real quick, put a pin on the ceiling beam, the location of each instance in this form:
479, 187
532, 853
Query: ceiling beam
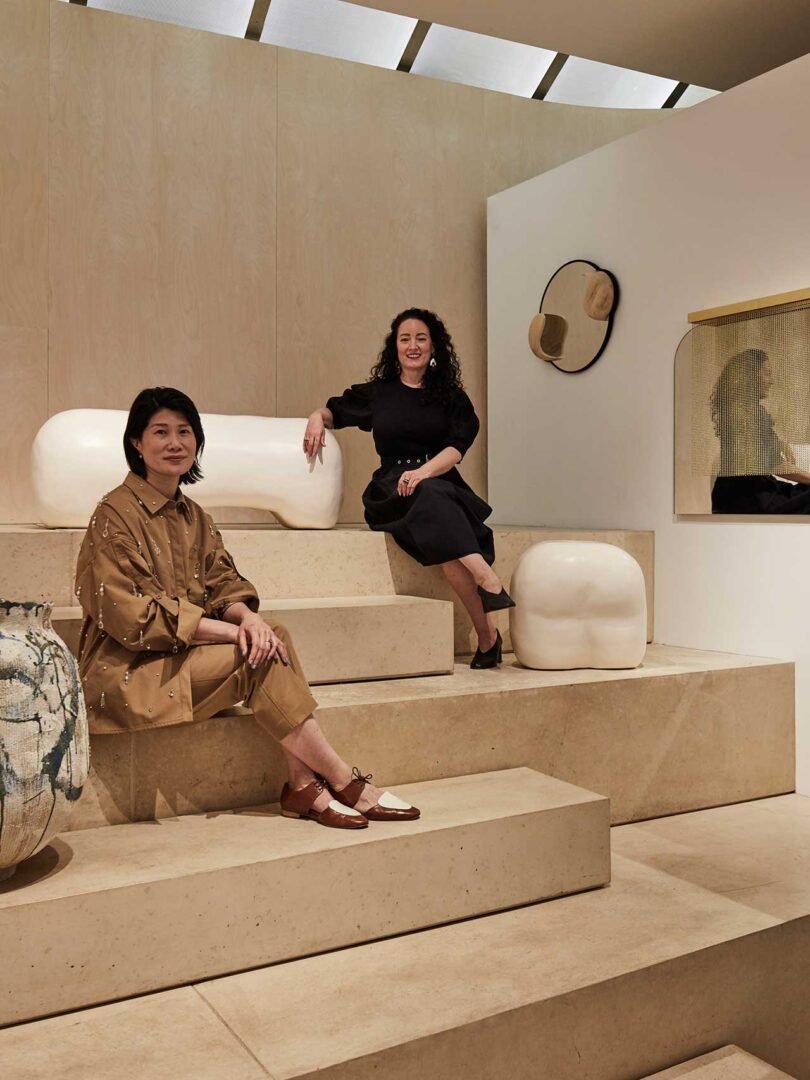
414, 45
675, 96
553, 70
257, 19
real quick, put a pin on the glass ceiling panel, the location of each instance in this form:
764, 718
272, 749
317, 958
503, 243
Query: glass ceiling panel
693, 95
478, 60
221, 16
335, 28
586, 82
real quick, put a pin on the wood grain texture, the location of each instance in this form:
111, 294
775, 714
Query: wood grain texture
525, 138
166, 229
24, 163
162, 214
24, 393
762, 303
381, 207
383, 182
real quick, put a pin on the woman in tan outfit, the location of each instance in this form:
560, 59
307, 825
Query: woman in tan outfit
172, 631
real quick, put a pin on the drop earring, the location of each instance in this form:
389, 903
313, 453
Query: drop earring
433, 360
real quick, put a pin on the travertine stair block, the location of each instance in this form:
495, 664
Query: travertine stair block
702, 940
346, 638
118, 911
681, 732
38, 564
727, 1063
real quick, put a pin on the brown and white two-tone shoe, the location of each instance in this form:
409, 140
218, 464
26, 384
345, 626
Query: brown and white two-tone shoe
387, 808
334, 816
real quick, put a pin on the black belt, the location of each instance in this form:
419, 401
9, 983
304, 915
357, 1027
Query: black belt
390, 462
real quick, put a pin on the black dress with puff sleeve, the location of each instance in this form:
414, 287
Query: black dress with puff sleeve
444, 518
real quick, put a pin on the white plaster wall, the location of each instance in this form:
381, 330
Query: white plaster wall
710, 207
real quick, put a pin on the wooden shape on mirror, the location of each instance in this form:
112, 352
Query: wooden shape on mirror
575, 319
547, 336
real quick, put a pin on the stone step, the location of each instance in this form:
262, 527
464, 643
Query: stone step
681, 732
108, 913
38, 564
701, 940
727, 1063
346, 638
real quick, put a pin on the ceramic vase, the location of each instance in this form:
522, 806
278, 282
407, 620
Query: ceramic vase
44, 743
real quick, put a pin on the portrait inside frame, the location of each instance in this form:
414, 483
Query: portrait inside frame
742, 413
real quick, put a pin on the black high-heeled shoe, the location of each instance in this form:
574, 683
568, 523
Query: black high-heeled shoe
492, 601
492, 657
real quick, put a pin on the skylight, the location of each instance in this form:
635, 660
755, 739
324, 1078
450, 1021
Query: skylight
478, 60
221, 16
586, 82
336, 28
693, 95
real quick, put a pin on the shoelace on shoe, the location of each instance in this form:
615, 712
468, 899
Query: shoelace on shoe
357, 775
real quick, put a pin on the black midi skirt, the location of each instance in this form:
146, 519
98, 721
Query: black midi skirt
441, 521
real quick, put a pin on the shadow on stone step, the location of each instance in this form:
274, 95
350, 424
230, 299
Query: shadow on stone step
49, 861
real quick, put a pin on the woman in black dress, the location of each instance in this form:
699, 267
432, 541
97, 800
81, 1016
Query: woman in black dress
754, 462
423, 423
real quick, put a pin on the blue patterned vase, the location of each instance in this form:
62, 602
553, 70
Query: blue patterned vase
44, 743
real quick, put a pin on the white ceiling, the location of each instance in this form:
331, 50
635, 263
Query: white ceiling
714, 43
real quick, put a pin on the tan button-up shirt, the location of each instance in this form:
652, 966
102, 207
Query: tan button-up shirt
148, 570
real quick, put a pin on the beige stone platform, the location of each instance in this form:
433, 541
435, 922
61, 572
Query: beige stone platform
345, 638
727, 1063
689, 949
38, 564
108, 913
686, 730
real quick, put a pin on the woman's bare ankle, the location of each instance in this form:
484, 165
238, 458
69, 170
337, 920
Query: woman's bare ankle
491, 582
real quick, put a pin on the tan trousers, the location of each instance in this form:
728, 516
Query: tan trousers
278, 695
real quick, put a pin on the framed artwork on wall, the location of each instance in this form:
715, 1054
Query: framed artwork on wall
742, 409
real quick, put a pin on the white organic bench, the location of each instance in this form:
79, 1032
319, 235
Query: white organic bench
580, 604
254, 462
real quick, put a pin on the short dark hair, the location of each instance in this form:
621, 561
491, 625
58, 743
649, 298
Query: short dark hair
143, 408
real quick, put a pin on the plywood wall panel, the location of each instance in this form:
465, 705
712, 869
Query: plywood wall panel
162, 214
24, 163
164, 146
23, 392
381, 207
525, 137
382, 188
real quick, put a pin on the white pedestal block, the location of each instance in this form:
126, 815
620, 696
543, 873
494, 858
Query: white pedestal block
255, 462
579, 605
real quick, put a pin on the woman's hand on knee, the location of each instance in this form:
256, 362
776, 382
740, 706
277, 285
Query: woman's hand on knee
257, 641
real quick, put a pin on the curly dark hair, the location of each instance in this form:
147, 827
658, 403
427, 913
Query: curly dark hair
143, 408
736, 392
440, 381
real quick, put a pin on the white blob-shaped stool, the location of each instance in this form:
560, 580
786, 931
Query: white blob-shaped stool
256, 462
580, 604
